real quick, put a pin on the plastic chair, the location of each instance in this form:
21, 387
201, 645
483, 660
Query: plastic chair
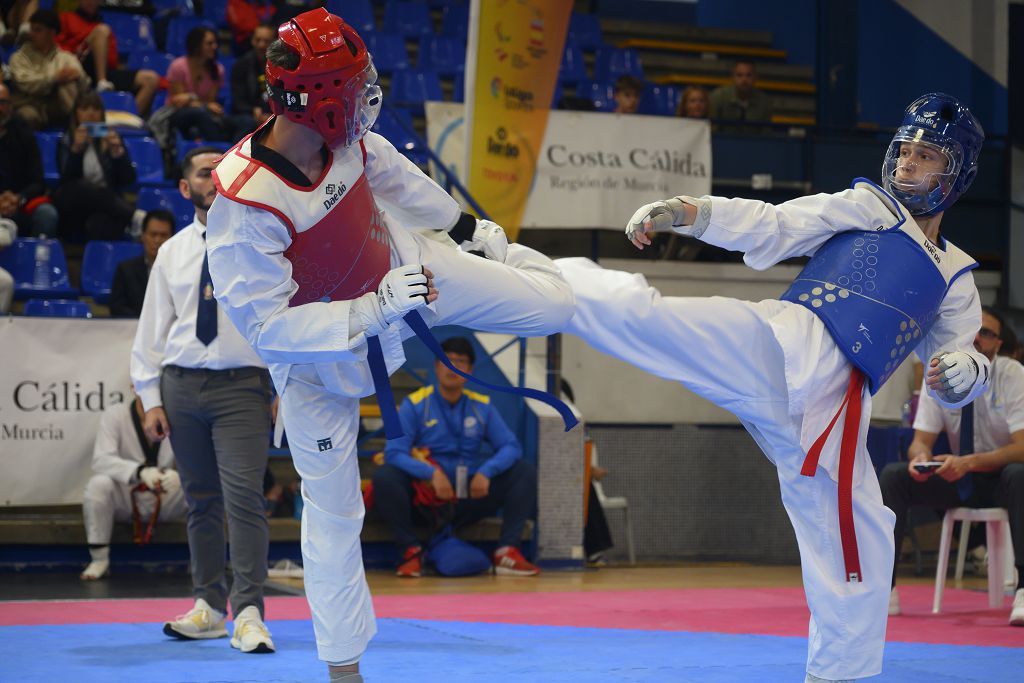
410, 19
573, 68
455, 21
147, 158
357, 13
388, 52
445, 55
57, 308
612, 62
389, 124
48, 141
134, 32
1000, 550
215, 11
119, 100
659, 100
412, 87
585, 31
614, 503
601, 94
99, 263
151, 59
169, 199
49, 280
178, 28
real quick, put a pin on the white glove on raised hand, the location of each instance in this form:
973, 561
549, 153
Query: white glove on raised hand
953, 377
657, 217
489, 238
170, 481
402, 289
151, 476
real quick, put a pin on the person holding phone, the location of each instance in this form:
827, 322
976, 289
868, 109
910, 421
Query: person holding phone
986, 467
95, 170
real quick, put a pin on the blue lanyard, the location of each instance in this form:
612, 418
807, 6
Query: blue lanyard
457, 431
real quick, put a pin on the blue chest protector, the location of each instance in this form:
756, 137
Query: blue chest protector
878, 292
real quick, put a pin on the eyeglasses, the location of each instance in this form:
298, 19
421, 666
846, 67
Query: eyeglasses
987, 333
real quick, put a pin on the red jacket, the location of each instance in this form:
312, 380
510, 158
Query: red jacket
75, 27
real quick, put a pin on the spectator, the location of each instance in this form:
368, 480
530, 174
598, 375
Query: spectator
195, 80
203, 386
8, 233
83, 33
133, 480
245, 16
454, 424
22, 190
94, 171
627, 94
984, 471
14, 16
741, 101
47, 79
248, 77
128, 290
694, 104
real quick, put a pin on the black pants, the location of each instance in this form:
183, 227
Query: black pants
1003, 489
91, 212
513, 491
597, 537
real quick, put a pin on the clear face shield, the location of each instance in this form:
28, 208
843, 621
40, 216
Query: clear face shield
367, 98
919, 168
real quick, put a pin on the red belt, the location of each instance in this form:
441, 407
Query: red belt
847, 453
143, 535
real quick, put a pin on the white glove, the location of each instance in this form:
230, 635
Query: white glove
8, 232
657, 217
151, 476
170, 481
402, 289
958, 373
489, 238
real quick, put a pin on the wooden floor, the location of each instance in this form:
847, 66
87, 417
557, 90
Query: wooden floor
703, 575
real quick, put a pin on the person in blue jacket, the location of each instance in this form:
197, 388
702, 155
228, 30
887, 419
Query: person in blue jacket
454, 423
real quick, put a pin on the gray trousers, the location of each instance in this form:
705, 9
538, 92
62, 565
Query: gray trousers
220, 431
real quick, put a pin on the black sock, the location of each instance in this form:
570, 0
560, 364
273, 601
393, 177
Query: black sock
1020, 576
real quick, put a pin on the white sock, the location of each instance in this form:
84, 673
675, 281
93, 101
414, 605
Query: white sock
99, 565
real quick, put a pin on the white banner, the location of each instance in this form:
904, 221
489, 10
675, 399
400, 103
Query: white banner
56, 378
595, 169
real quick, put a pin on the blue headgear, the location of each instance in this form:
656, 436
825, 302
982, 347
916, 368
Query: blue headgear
936, 128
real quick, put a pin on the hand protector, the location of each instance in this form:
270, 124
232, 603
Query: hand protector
151, 476
489, 238
170, 481
958, 373
402, 289
660, 217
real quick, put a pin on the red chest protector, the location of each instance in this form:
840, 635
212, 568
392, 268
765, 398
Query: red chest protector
340, 245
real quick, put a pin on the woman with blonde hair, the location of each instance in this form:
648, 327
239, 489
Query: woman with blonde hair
694, 104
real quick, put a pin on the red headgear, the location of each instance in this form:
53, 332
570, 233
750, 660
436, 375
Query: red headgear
333, 89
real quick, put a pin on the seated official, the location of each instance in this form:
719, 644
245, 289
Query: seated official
454, 424
128, 290
133, 480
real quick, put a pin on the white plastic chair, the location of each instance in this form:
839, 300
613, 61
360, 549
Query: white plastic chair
614, 503
1000, 550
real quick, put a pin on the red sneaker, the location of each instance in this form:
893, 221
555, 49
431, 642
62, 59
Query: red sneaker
509, 561
412, 564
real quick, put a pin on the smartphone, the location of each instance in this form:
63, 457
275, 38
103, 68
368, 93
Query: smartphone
926, 467
96, 129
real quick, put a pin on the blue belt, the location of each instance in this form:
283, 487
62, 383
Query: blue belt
382, 385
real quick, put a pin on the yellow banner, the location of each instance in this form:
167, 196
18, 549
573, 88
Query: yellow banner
514, 52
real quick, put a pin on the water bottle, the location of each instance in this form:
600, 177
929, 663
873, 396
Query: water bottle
41, 275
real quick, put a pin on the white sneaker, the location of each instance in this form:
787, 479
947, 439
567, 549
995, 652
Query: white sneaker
199, 623
97, 569
1017, 615
251, 634
285, 569
894, 604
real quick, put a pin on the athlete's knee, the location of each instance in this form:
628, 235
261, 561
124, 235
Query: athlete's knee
99, 488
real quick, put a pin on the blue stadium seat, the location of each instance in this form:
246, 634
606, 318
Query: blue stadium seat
170, 199
151, 59
412, 87
659, 100
443, 54
51, 282
612, 62
178, 28
215, 11
573, 68
182, 146
455, 21
48, 141
99, 263
390, 124
601, 94
148, 160
357, 13
159, 100
118, 100
134, 32
173, 8
408, 18
585, 31
388, 52
57, 308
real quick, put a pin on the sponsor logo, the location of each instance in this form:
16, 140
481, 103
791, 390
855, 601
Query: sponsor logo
663, 160
932, 250
295, 101
863, 329
518, 99
496, 87
64, 397
500, 146
324, 445
15, 432
335, 193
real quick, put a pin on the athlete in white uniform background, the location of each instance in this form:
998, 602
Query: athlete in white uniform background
787, 367
296, 264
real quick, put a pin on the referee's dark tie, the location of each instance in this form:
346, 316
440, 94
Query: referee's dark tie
206, 312
965, 484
